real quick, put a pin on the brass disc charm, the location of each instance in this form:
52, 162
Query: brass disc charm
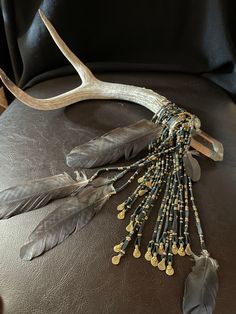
154, 261
117, 247
121, 206
136, 252
170, 270
142, 192
162, 264
181, 251
188, 250
121, 215
148, 184
130, 227
174, 249
116, 259
148, 255
140, 180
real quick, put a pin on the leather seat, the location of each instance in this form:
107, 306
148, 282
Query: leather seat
77, 276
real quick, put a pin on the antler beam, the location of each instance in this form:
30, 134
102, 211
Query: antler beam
92, 88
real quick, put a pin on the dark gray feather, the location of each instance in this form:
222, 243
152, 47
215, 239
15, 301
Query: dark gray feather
201, 287
37, 193
110, 147
192, 167
73, 213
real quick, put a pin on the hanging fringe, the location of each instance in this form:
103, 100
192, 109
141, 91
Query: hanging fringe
165, 171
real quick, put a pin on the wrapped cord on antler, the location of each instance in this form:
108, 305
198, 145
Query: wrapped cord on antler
168, 170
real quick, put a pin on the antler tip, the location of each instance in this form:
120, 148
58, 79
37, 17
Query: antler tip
42, 15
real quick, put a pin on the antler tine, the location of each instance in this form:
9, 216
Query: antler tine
85, 74
36, 103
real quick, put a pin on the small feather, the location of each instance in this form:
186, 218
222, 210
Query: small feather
192, 167
73, 213
37, 193
201, 287
110, 147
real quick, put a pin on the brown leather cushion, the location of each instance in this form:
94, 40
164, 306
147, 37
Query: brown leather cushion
77, 276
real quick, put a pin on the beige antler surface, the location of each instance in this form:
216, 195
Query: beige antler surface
92, 88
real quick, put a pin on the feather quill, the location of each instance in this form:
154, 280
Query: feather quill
73, 213
192, 166
37, 193
201, 287
110, 147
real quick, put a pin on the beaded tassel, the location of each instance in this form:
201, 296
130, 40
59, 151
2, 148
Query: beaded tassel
165, 171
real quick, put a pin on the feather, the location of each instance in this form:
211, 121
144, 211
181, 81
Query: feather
110, 147
192, 167
201, 287
73, 213
37, 193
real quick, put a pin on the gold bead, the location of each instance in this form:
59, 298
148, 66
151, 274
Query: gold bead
188, 250
117, 247
136, 252
121, 206
121, 215
162, 264
174, 249
140, 180
130, 227
142, 192
181, 251
161, 249
170, 270
116, 259
148, 255
154, 261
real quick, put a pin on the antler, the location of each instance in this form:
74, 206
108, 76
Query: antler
92, 88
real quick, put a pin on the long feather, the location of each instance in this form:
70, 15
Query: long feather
73, 214
192, 166
110, 147
201, 287
37, 193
